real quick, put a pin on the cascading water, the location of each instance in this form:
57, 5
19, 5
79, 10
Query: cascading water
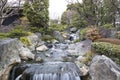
57, 76
51, 71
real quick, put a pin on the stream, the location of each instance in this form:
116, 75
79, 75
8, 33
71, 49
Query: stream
58, 63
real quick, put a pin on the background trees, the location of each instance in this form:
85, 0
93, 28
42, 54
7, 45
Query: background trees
37, 12
95, 12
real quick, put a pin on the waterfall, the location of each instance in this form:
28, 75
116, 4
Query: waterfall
18, 78
51, 71
13, 73
57, 76
54, 76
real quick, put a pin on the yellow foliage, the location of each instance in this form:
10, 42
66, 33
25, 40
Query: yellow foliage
93, 34
88, 57
25, 41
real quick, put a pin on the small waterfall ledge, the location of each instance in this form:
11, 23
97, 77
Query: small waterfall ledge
50, 71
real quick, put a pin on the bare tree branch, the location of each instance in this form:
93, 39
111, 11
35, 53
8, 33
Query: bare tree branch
7, 9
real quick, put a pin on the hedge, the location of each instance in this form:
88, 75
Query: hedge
108, 49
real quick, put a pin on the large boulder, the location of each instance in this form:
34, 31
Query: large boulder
80, 48
11, 52
103, 68
57, 35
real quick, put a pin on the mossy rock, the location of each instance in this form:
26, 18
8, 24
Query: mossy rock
88, 57
3, 35
25, 41
47, 38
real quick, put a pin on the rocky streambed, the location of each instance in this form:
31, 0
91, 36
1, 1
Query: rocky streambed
56, 61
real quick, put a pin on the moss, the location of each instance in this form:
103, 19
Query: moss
47, 38
26, 41
3, 35
108, 49
24, 20
77, 40
88, 57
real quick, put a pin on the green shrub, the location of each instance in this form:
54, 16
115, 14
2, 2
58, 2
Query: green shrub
19, 32
108, 26
3, 35
77, 40
25, 41
34, 29
57, 27
108, 49
83, 33
47, 38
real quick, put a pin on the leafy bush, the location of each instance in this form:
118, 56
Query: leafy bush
109, 40
18, 32
38, 14
47, 38
3, 35
33, 29
25, 40
108, 26
93, 34
108, 49
57, 27
83, 33
79, 22
24, 21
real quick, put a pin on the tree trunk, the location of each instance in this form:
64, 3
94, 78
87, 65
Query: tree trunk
1, 22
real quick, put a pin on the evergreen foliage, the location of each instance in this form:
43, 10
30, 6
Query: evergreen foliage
94, 12
108, 49
37, 13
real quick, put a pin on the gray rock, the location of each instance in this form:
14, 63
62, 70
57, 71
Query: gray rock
39, 59
34, 39
12, 51
9, 53
60, 46
25, 53
80, 48
55, 55
57, 35
74, 29
83, 68
103, 68
42, 48
38, 34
